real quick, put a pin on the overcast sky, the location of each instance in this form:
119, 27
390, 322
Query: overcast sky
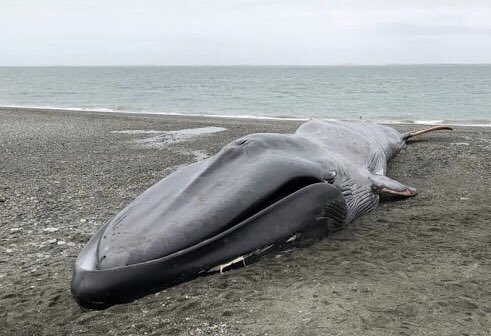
215, 32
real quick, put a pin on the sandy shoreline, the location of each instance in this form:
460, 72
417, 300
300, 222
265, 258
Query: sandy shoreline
416, 267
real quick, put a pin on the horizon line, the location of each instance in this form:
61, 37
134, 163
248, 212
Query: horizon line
240, 65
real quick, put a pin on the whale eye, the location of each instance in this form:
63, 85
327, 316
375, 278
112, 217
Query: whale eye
330, 177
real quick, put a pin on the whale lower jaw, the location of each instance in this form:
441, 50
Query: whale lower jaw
318, 207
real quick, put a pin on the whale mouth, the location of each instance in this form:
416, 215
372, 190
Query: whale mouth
285, 190
211, 227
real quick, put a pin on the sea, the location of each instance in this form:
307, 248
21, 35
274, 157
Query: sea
421, 94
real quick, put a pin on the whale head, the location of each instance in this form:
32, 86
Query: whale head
259, 191
205, 199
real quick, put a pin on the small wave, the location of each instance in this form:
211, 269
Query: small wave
48, 107
402, 121
429, 122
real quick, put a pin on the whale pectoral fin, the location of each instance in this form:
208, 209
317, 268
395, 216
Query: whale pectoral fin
385, 185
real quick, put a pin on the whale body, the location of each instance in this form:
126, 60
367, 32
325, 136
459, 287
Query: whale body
257, 193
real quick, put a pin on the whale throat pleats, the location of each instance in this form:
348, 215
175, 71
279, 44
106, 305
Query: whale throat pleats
360, 199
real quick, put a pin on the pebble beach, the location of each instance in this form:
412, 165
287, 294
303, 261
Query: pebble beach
418, 266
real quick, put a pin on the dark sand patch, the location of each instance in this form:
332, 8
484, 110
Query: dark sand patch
414, 267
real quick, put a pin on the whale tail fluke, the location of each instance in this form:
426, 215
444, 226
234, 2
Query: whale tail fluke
409, 135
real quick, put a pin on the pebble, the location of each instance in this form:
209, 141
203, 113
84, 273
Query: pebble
2, 199
83, 220
15, 229
50, 229
51, 241
61, 242
9, 251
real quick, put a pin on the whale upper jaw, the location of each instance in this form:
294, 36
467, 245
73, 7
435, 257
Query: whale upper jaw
205, 199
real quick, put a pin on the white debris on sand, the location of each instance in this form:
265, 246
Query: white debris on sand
165, 138
50, 229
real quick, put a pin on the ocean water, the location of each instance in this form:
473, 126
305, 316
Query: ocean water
433, 94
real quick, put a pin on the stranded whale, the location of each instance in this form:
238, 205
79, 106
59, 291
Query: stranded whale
258, 192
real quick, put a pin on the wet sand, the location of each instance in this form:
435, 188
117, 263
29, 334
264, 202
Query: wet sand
419, 266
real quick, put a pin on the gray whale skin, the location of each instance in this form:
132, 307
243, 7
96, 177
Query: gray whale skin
258, 192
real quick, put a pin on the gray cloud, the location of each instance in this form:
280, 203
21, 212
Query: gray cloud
193, 32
